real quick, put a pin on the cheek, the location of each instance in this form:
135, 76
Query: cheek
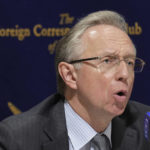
106, 81
131, 82
95, 83
93, 79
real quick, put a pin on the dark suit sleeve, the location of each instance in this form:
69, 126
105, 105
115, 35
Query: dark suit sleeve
22, 132
7, 141
35, 129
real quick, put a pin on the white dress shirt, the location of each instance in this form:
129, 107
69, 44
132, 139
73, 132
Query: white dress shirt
79, 131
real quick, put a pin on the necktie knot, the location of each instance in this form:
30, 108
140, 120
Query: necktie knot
100, 142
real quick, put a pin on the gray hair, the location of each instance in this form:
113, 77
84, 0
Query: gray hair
70, 46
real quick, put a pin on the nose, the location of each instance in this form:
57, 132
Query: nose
122, 72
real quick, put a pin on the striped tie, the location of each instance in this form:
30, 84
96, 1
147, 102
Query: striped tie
100, 142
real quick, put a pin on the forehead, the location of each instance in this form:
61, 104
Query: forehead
103, 39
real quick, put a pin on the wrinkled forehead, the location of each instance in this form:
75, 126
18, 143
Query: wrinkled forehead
106, 39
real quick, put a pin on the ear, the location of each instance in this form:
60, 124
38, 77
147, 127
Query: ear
68, 74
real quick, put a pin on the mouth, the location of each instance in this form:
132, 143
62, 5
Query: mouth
121, 95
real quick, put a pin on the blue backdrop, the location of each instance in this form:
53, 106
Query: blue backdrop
29, 30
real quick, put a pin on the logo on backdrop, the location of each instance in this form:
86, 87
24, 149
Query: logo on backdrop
39, 31
13, 108
134, 29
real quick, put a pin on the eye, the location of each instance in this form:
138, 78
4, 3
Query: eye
108, 60
130, 62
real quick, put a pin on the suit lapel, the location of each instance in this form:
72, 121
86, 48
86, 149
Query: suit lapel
123, 137
55, 137
124, 130
55, 129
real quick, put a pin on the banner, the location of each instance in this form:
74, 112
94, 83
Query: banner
29, 31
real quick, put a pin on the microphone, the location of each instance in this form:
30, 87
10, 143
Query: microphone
147, 125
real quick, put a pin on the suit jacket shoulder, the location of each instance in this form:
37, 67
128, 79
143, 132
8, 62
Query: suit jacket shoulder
128, 129
36, 129
44, 128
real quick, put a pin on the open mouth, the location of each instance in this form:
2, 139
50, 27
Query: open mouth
121, 98
121, 93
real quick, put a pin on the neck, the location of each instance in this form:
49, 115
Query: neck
97, 119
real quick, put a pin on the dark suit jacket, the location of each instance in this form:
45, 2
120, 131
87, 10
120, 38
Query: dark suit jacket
44, 128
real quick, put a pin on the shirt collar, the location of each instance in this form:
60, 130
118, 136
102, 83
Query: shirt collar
79, 131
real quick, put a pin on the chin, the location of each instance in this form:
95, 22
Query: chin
117, 112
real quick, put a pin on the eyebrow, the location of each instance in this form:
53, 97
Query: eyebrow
116, 54
129, 55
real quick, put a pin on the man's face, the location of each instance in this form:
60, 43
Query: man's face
105, 91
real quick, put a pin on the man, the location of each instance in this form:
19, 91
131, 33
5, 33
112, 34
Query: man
95, 65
